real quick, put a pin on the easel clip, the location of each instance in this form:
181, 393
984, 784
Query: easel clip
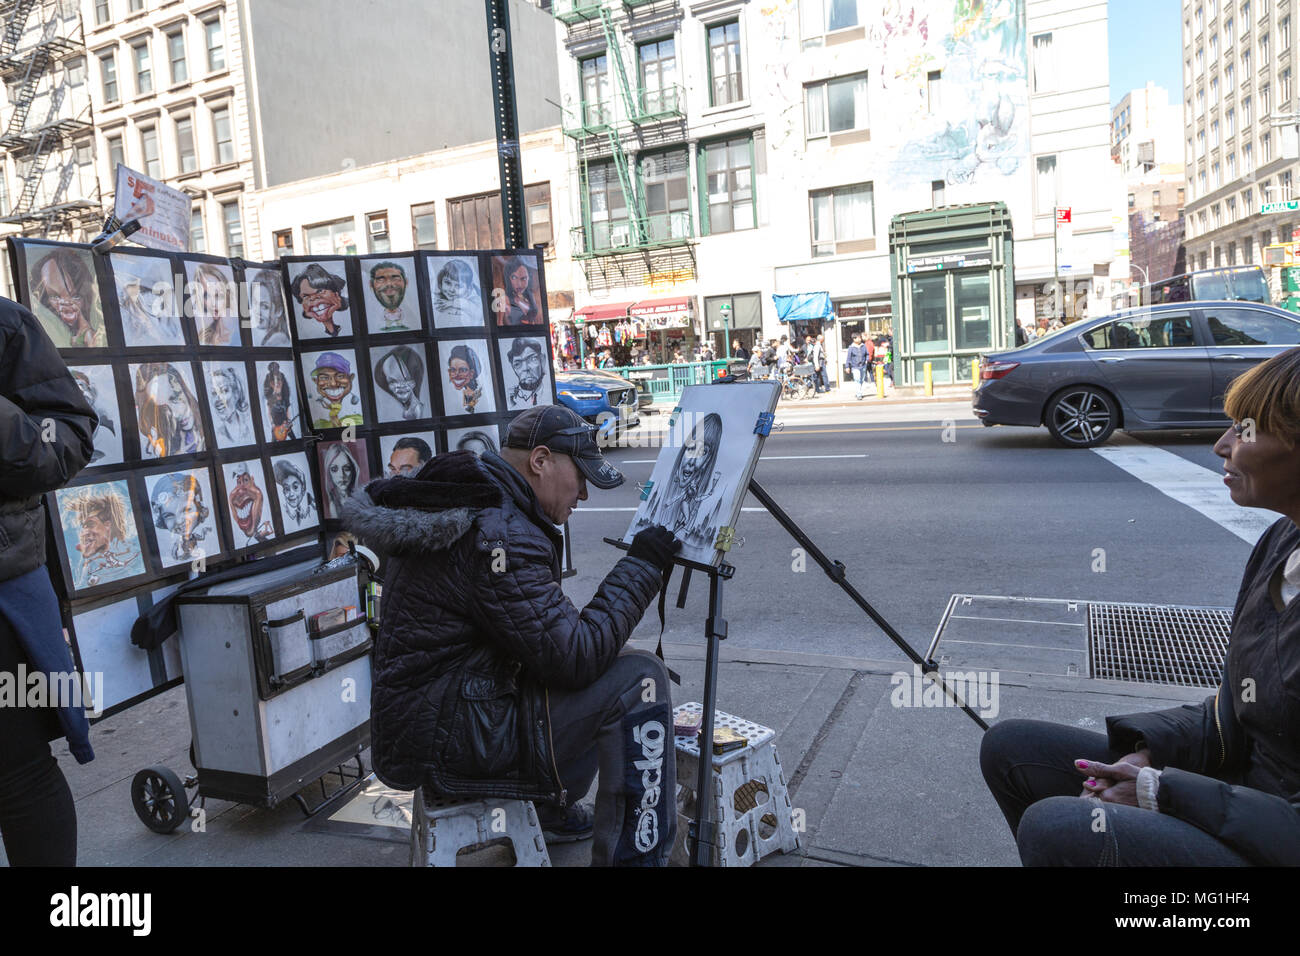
726, 535
764, 426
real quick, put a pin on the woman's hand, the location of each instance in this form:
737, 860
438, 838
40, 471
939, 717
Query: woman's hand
1113, 783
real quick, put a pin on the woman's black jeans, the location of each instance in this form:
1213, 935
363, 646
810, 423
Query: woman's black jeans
1029, 768
38, 819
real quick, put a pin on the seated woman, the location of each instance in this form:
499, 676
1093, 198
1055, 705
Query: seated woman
1211, 784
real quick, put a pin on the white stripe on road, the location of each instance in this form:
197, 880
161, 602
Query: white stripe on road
651, 461
1186, 482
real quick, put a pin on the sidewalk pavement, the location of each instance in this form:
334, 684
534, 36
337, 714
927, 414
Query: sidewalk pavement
879, 785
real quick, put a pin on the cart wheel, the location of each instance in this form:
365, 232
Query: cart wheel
159, 799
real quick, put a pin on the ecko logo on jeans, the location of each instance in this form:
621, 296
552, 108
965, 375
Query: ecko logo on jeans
650, 737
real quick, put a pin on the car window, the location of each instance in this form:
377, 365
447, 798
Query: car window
1247, 327
1162, 332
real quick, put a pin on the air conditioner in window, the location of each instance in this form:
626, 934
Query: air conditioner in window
379, 227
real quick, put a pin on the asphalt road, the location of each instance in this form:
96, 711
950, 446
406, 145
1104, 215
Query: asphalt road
916, 518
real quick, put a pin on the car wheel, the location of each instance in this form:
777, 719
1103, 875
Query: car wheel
1081, 417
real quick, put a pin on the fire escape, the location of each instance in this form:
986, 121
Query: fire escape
630, 232
39, 140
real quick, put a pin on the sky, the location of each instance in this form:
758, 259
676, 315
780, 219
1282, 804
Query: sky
1146, 44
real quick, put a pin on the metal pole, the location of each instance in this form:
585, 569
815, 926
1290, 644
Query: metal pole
715, 629
513, 224
1056, 261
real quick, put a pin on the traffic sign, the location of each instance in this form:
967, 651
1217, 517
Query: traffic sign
1064, 214
1290, 205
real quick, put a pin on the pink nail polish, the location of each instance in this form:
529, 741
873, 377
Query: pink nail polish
1081, 764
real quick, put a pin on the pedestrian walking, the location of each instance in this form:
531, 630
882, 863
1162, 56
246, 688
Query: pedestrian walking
46, 429
856, 362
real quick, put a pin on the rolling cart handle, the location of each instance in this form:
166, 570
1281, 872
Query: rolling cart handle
284, 622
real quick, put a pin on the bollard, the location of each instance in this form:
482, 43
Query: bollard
929, 378
880, 381
975, 374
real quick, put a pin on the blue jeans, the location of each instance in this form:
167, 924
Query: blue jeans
857, 379
1029, 768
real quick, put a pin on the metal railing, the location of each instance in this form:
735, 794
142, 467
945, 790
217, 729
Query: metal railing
665, 382
663, 103
631, 233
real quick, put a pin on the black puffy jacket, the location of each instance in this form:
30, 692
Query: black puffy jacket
475, 628
1232, 764
45, 435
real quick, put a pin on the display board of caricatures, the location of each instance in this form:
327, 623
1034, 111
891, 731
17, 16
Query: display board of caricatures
404, 356
241, 404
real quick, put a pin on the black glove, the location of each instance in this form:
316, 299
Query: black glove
656, 545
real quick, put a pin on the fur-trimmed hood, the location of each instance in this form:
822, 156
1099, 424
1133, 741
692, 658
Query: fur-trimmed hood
428, 512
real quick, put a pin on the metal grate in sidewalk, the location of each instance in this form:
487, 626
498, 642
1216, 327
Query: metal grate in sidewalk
1158, 643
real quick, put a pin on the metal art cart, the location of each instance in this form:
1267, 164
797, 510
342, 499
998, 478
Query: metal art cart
278, 698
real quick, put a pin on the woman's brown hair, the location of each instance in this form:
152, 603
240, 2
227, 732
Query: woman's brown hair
1269, 393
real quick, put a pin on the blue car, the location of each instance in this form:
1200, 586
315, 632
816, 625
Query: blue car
606, 400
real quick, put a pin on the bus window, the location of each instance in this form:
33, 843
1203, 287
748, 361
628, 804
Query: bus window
1211, 286
1250, 286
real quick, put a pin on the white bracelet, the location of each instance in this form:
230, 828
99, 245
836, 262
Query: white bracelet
1148, 785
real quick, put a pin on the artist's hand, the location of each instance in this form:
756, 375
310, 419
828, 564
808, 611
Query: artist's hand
655, 544
1113, 783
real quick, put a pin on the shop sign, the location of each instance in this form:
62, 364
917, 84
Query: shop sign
950, 260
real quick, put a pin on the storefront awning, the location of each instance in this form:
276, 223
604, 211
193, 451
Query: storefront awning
681, 306
803, 305
603, 312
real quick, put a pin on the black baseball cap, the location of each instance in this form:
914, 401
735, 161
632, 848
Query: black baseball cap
562, 430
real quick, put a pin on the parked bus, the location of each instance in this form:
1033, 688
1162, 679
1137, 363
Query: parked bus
1237, 283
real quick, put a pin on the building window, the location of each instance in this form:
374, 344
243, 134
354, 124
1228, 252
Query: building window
187, 159
1284, 89
1044, 64
1155, 197
233, 229
1046, 185
102, 13
1132, 201
596, 107
1232, 210
377, 232
1247, 159
842, 219
108, 71
1247, 200
657, 66
134, 6
116, 154
1265, 102
337, 238
1214, 135
283, 241
725, 85
215, 40
77, 71
198, 242
537, 210
1200, 144
1214, 49
1263, 50
1214, 92
1266, 148
1200, 102
84, 156
1227, 32
820, 17
1229, 79
937, 198
729, 185
1232, 166
424, 233
666, 178
1216, 177
1200, 20
143, 68
475, 221
1230, 120
1284, 34
223, 135
1245, 64
176, 56
1200, 61
149, 149
836, 106
1284, 181
606, 209
1245, 113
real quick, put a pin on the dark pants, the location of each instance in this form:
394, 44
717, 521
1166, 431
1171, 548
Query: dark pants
1029, 768
38, 820
623, 726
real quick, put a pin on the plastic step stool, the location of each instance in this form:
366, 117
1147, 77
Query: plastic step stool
441, 827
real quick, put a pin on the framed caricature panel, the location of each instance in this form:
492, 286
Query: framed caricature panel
147, 304
517, 290
268, 315
401, 383
183, 517
526, 371
248, 508
333, 388
230, 403
344, 468
276, 387
323, 306
391, 295
213, 303
403, 455
296, 493
98, 384
168, 414
98, 536
467, 379
478, 439
59, 282
455, 291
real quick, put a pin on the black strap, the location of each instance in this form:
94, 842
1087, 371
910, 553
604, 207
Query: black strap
659, 650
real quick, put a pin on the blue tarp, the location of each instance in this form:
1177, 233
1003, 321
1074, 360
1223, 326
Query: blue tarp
803, 305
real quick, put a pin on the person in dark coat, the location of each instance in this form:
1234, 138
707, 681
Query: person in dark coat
488, 681
1210, 784
46, 429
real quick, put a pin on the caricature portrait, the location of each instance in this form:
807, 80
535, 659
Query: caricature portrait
525, 360
146, 300
516, 291
344, 468
467, 387
99, 534
321, 297
96, 384
477, 440
391, 302
690, 504
297, 503
65, 297
399, 380
405, 455
279, 404
332, 388
211, 287
266, 310
456, 291
340, 544
182, 517
167, 409
249, 513
232, 413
